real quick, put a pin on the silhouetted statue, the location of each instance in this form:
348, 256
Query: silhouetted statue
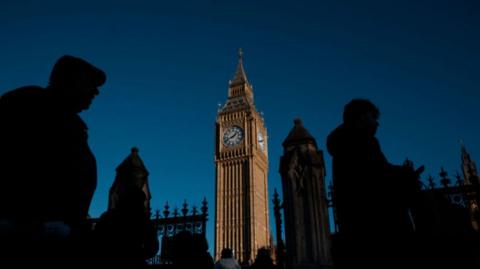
47, 171
131, 173
227, 260
307, 229
371, 196
263, 260
125, 235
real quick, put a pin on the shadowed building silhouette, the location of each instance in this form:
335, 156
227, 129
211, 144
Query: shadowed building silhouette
305, 202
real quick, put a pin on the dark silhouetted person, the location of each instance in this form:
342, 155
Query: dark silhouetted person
191, 251
201, 254
371, 196
182, 250
125, 235
47, 170
263, 260
227, 260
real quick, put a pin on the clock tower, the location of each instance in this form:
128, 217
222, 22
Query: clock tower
241, 168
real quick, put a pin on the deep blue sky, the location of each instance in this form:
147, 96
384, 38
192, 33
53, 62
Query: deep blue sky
169, 62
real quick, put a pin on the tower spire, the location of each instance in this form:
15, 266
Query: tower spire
464, 149
240, 75
469, 167
240, 91
240, 55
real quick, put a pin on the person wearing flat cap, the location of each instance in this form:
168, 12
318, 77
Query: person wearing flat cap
48, 173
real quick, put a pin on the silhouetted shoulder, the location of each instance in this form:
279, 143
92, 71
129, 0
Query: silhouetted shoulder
336, 139
27, 97
345, 141
23, 92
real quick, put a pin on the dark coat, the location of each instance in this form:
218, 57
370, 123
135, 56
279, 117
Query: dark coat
47, 170
371, 199
371, 196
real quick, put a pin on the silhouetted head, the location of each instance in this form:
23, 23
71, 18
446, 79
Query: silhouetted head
183, 248
362, 115
227, 253
75, 82
263, 256
200, 243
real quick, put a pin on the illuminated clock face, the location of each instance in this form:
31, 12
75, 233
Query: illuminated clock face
233, 136
261, 141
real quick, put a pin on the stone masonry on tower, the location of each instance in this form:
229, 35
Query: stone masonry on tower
241, 160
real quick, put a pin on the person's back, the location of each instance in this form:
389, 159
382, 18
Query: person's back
263, 260
227, 260
21, 115
227, 263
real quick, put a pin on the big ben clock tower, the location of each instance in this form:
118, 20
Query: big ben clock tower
241, 159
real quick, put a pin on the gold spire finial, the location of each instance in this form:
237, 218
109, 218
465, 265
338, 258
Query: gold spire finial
462, 146
240, 55
298, 122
